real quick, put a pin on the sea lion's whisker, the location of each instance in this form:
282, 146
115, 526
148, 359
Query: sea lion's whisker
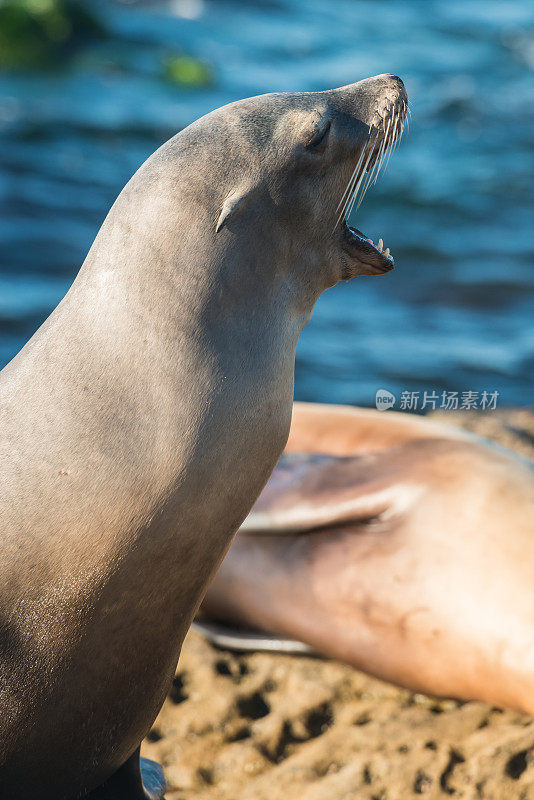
357, 189
393, 136
367, 179
356, 175
368, 151
399, 137
364, 189
362, 177
403, 122
390, 138
348, 191
349, 182
366, 185
378, 163
345, 203
382, 151
373, 173
360, 180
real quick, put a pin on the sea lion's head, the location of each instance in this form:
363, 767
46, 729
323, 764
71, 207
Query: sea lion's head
256, 193
286, 168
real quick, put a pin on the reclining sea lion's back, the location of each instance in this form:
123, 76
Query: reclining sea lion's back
142, 420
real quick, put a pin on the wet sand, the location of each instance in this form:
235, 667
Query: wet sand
273, 727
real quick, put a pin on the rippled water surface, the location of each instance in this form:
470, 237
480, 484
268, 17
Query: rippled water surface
455, 205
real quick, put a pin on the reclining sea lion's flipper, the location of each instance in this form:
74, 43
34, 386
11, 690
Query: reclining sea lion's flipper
310, 492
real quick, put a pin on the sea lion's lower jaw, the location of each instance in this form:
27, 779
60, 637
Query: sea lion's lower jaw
361, 255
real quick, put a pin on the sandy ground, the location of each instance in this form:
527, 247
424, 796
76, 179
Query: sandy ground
272, 727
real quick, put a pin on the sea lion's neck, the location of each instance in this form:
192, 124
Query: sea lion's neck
191, 336
167, 376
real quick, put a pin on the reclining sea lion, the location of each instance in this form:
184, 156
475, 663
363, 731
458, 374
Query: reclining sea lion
394, 543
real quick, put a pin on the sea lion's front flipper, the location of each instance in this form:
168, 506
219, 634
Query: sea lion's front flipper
137, 779
308, 491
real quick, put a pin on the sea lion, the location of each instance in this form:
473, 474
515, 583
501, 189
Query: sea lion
396, 544
142, 420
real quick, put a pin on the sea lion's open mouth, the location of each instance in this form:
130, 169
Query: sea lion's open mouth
357, 245
384, 135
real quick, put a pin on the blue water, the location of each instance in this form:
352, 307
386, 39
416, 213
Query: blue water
455, 205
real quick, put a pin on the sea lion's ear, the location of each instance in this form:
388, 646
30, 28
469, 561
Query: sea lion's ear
316, 139
234, 203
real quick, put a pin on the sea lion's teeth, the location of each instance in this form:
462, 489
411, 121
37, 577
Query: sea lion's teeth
386, 252
380, 244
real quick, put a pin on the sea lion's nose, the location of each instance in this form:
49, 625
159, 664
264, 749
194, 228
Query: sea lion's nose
394, 78
396, 85
385, 85
373, 98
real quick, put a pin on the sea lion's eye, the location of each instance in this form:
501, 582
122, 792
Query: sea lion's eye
319, 138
